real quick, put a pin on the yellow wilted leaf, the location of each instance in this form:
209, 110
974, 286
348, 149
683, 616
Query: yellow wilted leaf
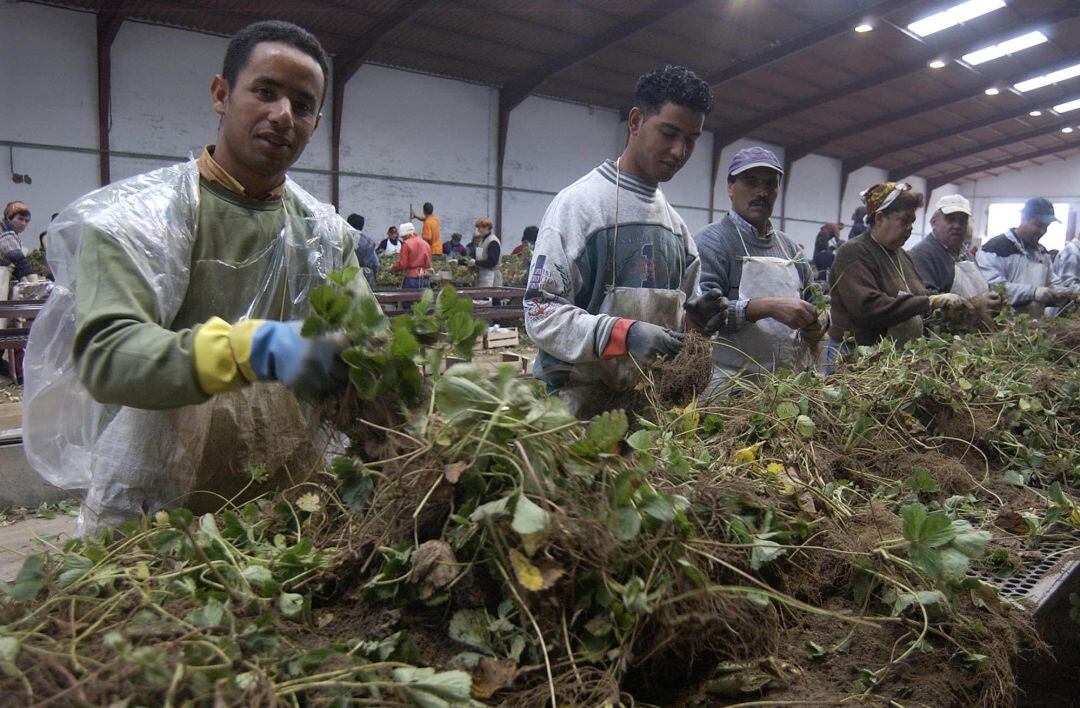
774, 468
527, 574
747, 454
309, 502
141, 571
161, 518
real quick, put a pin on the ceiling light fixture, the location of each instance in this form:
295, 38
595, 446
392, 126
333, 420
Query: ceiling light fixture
1066, 129
1047, 79
1009, 46
954, 15
937, 64
1067, 106
992, 91
1035, 114
864, 27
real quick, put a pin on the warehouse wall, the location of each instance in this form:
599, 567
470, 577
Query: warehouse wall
407, 138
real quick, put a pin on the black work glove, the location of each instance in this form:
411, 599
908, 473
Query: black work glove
707, 311
646, 342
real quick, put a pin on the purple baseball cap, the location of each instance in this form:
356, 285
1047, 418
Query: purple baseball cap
751, 157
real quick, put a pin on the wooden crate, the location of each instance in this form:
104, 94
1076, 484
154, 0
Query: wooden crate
502, 337
521, 361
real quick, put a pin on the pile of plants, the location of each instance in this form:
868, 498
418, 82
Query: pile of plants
514, 270
797, 541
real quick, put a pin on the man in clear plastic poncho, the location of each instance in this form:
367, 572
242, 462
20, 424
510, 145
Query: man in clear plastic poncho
155, 372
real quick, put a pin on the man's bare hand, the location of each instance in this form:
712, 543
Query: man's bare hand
795, 313
990, 300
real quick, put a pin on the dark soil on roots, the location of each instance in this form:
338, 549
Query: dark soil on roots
684, 378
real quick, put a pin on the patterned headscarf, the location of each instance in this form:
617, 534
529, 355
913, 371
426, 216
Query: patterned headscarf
880, 196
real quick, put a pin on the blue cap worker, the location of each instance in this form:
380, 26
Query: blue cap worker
185, 288
1017, 259
761, 271
614, 271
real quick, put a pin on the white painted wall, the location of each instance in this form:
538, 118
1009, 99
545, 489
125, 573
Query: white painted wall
50, 98
407, 138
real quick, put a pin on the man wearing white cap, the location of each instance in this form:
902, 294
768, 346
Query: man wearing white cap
941, 260
761, 271
414, 259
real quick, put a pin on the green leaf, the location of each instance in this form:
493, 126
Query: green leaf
786, 410
528, 517
291, 605
491, 510
927, 598
913, 516
954, 564
73, 567
923, 481
607, 429
971, 661
212, 614
659, 508
634, 597
624, 523
641, 439
764, 551
427, 689
470, 627
30, 580
937, 529
1014, 478
9, 649
805, 427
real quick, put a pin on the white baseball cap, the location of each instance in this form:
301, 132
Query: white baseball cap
952, 203
406, 229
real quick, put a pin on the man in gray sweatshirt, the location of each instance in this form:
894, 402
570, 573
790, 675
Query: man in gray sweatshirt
614, 265
763, 318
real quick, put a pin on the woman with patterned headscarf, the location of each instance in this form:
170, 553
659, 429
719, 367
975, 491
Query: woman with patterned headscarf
876, 291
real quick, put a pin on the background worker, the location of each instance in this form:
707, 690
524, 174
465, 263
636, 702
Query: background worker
432, 229
876, 290
614, 263
944, 266
1017, 259
454, 247
366, 257
528, 242
488, 255
762, 273
391, 244
16, 219
414, 259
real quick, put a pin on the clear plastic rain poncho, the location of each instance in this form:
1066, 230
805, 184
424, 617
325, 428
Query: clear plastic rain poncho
132, 460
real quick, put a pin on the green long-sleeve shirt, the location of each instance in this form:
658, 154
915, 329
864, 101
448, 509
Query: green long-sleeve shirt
126, 356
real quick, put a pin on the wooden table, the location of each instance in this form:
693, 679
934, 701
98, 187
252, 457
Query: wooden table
508, 311
14, 339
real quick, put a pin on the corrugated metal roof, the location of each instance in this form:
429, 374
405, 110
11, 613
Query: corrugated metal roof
800, 98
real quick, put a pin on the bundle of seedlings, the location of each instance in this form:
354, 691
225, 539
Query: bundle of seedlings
811, 542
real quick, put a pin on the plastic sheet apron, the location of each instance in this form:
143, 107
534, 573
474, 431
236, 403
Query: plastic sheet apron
133, 460
489, 277
968, 281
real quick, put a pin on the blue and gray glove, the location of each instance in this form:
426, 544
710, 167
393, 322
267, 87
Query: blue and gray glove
308, 366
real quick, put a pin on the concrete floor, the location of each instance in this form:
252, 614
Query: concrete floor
22, 539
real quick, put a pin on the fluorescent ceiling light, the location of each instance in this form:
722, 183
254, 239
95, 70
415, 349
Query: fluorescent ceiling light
1047, 79
937, 64
1066, 129
1035, 114
864, 27
1067, 106
954, 15
1009, 46
992, 91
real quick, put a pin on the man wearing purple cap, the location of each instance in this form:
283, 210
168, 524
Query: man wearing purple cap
761, 271
1017, 259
